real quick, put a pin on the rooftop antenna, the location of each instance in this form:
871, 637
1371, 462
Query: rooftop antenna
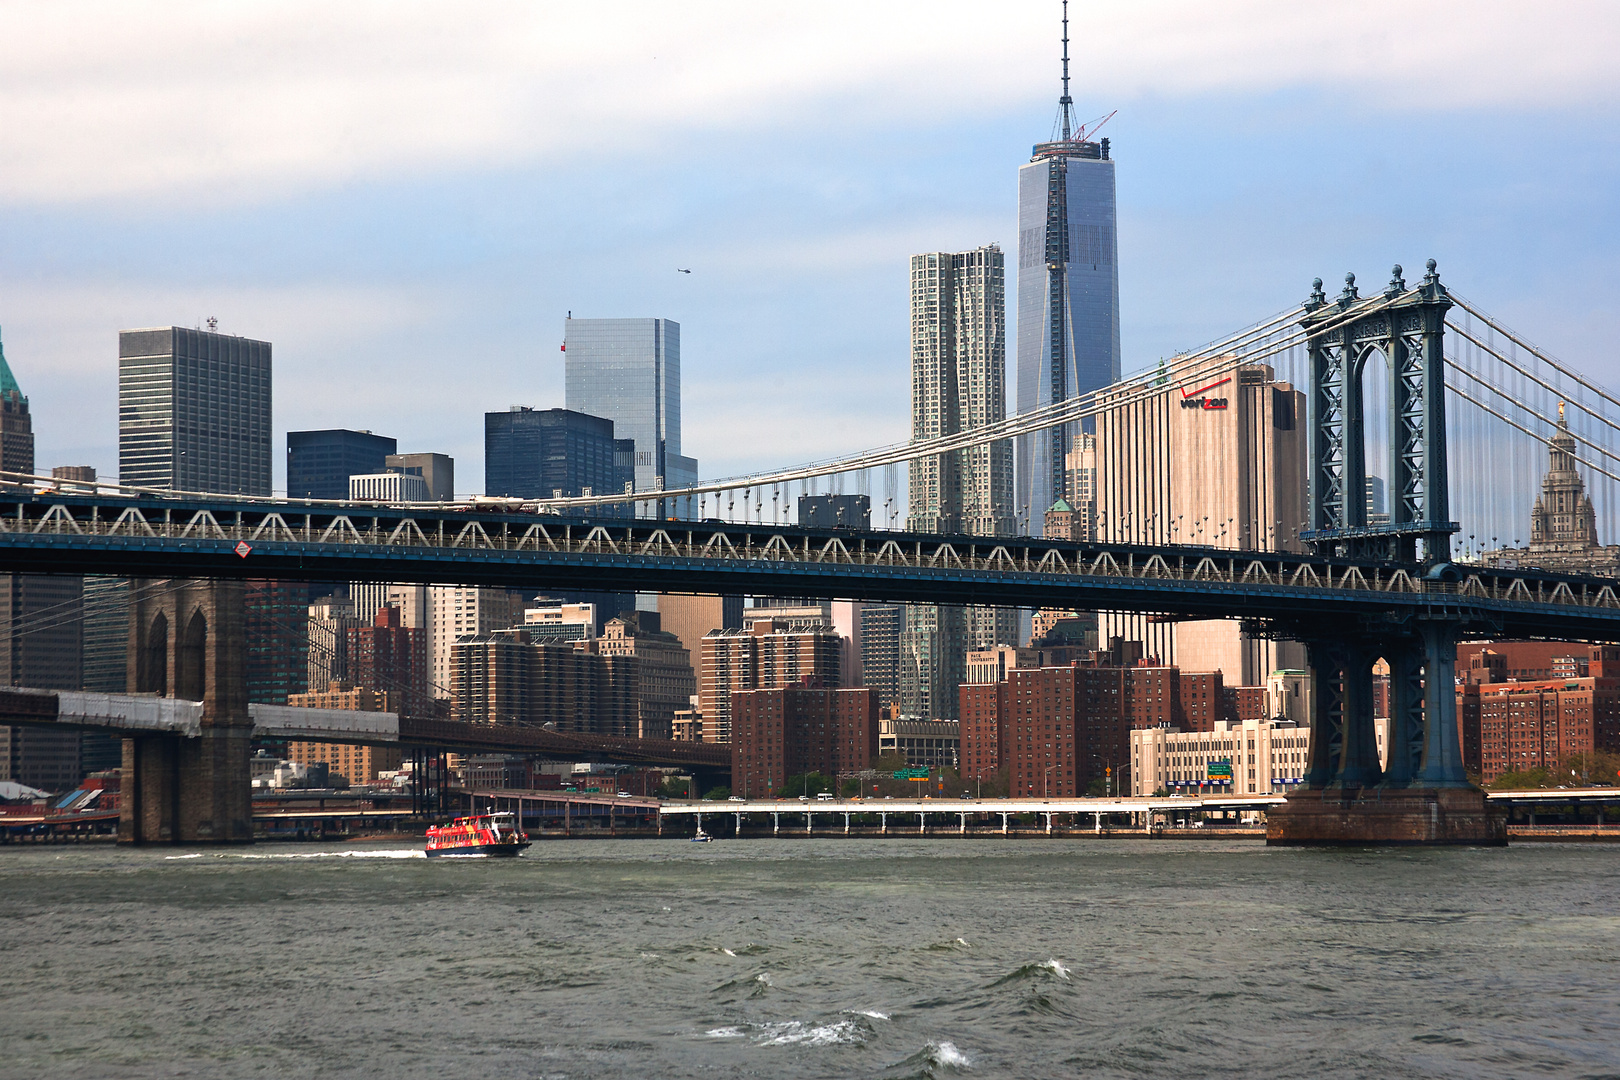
1066, 103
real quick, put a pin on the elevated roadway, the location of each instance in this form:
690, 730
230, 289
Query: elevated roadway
141, 714
154, 537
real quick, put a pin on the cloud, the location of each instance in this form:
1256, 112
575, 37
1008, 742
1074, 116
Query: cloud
243, 103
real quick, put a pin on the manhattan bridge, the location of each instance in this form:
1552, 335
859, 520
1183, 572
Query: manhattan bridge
1444, 389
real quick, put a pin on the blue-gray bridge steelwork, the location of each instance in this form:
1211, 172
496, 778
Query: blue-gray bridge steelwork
1360, 592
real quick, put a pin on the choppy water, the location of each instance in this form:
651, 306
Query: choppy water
812, 958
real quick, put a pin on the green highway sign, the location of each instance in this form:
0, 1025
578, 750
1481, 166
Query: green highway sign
911, 774
1220, 770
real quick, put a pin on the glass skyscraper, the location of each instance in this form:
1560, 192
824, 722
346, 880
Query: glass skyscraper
629, 371
533, 454
1076, 176
319, 463
194, 411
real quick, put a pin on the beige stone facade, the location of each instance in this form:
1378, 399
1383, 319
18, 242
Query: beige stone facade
1219, 461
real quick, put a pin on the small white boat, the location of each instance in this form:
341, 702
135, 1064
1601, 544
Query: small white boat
702, 838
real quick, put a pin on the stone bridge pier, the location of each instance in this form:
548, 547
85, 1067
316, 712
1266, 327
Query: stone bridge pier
1419, 794
186, 641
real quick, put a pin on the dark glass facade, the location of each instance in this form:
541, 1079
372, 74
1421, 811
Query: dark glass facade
534, 453
319, 463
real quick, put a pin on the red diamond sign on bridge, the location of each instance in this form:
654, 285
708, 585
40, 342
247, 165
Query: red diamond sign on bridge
242, 548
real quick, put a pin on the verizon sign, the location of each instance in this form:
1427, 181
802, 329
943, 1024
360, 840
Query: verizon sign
1200, 399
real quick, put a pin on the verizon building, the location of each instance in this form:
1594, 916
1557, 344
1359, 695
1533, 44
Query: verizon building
1220, 462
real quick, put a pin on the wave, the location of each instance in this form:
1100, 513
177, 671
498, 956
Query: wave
1042, 970
932, 1061
954, 945
749, 986
844, 1032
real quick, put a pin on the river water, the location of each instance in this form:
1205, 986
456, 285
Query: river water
812, 958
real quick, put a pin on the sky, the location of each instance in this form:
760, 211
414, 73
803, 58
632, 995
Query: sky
408, 198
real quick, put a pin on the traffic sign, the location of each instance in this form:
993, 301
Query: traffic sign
911, 774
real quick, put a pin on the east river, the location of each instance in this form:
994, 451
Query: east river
811, 958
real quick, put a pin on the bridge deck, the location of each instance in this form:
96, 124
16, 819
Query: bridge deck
240, 538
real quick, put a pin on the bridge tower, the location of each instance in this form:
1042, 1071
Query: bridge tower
186, 641
1422, 796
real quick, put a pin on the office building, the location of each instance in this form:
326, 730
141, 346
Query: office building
438, 472
796, 730
765, 655
16, 428
106, 662
319, 463
835, 511
505, 678
1563, 522
1254, 757
194, 411
629, 371
923, 744
328, 624
1068, 297
546, 453
275, 628
690, 618
356, 764
389, 656
1219, 462
388, 487
40, 620
666, 680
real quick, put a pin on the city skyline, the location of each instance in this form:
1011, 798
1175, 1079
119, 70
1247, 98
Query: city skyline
411, 276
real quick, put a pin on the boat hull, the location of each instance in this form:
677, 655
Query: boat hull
494, 851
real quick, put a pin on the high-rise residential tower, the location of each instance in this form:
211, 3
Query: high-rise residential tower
194, 411
958, 382
629, 371
1068, 293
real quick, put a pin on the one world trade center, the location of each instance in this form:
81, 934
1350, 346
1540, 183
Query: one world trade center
1068, 297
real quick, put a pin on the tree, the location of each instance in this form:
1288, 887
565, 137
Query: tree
717, 794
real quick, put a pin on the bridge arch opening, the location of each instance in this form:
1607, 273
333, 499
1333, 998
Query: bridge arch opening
191, 660
1375, 384
152, 661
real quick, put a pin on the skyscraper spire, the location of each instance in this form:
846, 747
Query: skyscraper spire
1066, 103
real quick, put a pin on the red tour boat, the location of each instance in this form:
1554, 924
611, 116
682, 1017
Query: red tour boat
486, 834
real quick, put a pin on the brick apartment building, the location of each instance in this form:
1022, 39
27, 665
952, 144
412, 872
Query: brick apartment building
1524, 705
793, 730
1055, 730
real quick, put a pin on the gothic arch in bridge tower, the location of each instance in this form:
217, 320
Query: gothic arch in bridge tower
191, 660
186, 642
151, 674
